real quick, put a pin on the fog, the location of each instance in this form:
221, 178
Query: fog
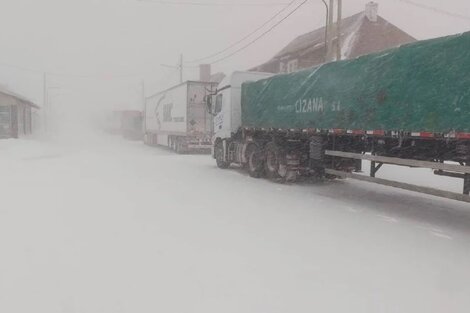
339, 188
98, 52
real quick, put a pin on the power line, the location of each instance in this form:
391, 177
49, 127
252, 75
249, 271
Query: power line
219, 4
70, 75
260, 36
437, 10
215, 54
245, 37
164, 80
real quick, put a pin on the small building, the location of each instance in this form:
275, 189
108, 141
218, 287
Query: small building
16, 115
362, 33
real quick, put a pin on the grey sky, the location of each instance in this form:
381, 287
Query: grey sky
109, 38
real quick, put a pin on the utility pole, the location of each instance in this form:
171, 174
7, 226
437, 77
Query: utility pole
178, 66
181, 68
143, 93
327, 16
144, 106
329, 47
338, 30
44, 101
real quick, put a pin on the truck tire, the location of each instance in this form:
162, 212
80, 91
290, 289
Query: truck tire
255, 156
276, 162
219, 156
179, 146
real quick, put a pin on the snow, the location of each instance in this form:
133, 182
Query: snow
348, 42
107, 225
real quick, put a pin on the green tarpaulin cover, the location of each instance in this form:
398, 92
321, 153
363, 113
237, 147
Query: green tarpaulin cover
423, 86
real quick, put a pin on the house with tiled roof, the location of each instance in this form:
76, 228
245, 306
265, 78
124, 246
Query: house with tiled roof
363, 33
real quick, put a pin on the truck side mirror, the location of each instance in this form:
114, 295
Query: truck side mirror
208, 101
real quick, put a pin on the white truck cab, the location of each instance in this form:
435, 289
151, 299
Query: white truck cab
226, 106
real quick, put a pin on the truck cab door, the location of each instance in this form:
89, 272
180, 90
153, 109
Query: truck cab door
222, 127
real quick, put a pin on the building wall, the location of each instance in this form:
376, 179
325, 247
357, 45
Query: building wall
15, 120
304, 59
15, 116
312, 58
5, 121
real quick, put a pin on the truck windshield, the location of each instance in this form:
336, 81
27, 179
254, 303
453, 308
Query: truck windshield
218, 104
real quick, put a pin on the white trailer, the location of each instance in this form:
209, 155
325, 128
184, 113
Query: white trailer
178, 117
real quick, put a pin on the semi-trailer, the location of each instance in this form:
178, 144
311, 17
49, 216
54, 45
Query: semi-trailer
407, 106
178, 118
131, 124
127, 123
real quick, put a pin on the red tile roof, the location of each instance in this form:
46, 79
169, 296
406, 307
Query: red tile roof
359, 36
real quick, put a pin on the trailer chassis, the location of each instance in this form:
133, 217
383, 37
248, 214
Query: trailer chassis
285, 155
442, 169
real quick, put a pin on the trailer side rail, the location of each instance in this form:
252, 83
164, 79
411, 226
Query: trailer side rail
465, 170
403, 162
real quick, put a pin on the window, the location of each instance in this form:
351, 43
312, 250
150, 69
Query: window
282, 67
292, 66
218, 104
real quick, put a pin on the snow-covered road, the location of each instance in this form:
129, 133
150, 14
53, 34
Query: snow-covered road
114, 226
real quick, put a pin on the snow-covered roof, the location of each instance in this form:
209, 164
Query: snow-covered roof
359, 36
316, 39
21, 98
237, 78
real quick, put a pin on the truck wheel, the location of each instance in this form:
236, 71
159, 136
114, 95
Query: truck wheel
178, 146
255, 164
219, 156
276, 162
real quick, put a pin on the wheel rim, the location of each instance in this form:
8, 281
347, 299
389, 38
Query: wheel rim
282, 171
272, 162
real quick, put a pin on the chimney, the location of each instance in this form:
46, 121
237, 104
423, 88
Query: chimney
371, 11
205, 72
